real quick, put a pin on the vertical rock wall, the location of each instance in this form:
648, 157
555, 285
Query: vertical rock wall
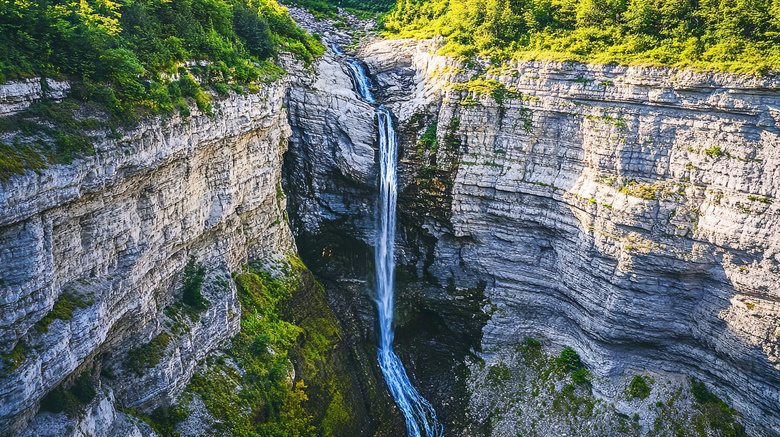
637, 220
116, 230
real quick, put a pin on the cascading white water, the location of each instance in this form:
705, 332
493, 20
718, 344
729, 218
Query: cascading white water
362, 82
419, 413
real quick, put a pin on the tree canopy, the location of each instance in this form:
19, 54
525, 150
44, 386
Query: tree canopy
726, 35
129, 45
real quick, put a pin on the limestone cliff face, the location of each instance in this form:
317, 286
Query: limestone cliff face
630, 213
116, 230
636, 219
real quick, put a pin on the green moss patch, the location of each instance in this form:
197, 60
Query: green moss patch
12, 360
285, 321
63, 309
147, 355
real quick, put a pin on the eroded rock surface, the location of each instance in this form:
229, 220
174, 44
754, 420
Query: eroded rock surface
116, 230
636, 219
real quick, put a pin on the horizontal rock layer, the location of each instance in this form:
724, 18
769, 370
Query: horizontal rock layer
636, 220
116, 229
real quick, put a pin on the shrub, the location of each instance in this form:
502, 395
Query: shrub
221, 89
164, 419
193, 281
581, 376
70, 400
428, 141
569, 360
83, 389
638, 388
714, 152
12, 360
147, 355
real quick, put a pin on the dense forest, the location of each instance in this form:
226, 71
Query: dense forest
726, 35
131, 45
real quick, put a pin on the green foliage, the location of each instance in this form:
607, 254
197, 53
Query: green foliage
498, 374
365, 5
569, 360
716, 412
739, 35
221, 89
322, 9
263, 401
193, 282
428, 140
63, 309
499, 92
70, 400
451, 140
83, 389
164, 420
120, 51
12, 360
147, 355
638, 388
581, 376
44, 134
760, 199
642, 191
714, 152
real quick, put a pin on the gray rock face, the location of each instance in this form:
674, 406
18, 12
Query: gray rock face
116, 230
100, 419
331, 167
16, 96
637, 220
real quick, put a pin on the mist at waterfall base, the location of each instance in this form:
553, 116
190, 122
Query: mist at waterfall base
419, 413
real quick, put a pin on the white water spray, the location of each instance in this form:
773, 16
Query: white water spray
420, 416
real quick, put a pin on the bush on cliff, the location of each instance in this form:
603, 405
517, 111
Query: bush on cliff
70, 400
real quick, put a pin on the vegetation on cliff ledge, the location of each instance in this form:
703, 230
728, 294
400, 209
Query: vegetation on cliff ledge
127, 59
738, 36
252, 389
124, 54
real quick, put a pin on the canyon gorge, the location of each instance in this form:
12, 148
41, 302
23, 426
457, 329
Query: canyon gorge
627, 213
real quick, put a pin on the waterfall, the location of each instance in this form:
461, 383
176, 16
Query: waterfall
420, 416
362, 82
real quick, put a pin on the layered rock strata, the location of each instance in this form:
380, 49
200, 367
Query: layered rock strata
115, 230
635, 219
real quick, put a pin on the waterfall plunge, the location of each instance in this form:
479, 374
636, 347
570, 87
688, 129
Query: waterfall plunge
419, 413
